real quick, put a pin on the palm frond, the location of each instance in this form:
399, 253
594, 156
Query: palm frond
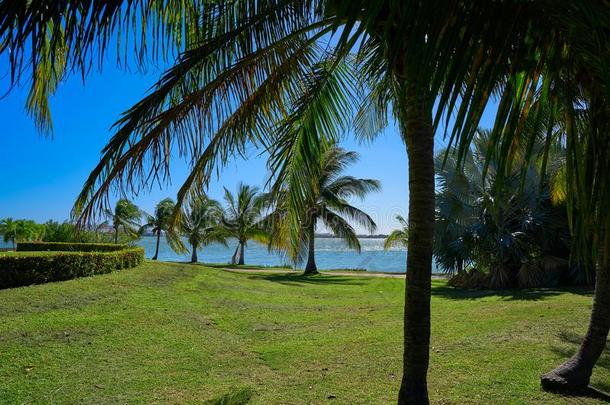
395, 238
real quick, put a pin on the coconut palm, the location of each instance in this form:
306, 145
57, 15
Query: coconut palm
243, 217
202, 225
125, 216
246, 62
326, 200
160, 223
398, 237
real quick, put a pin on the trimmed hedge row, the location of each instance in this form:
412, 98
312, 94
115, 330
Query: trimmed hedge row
68, 247
20, 269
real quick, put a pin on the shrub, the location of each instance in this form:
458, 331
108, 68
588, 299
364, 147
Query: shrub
20, 269
68, 247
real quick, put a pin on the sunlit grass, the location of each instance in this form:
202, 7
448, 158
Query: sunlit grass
182, 333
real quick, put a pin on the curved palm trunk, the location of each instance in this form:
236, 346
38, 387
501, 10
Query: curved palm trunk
241, 253
416, 127
311, 267
194, 254
234, 257
116, 235
157, 245
575, 373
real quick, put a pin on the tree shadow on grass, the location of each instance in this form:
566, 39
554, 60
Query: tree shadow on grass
523, 294
300, 279
572, 342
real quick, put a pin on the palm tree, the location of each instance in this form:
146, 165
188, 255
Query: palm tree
160, 223
8, 230
202, 225
511, 231
325, 200
20, 230
243, 218
418, 60
244, 65
126, 216
398, 237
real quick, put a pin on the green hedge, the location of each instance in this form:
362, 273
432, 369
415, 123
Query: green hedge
68, 247
20, 269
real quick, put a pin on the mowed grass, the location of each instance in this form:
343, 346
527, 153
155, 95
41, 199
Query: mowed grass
181, 333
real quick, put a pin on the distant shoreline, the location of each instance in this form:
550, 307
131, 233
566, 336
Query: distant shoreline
323, 235
331, 236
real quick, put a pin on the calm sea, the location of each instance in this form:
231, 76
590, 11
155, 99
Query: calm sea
331, 253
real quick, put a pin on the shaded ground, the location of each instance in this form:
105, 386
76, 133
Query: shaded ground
180, 333
325, 272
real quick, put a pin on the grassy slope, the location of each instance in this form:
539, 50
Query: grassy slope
181, 333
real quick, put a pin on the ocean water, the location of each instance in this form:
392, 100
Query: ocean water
331, 253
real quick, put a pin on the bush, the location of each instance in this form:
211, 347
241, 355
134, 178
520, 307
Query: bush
68, 247
20, 269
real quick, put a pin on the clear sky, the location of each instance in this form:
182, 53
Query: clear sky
41, 177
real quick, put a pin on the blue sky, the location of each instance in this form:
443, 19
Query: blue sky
42, 176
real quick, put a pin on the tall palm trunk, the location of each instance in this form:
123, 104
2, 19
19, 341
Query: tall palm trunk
241, 253
575, 373
116, 234
416, 128
311, 267
194, 254
157, 245
234, 257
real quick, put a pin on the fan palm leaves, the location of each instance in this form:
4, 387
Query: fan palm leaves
202, 225
243, 218
398, 237
325, 199
160, 222
499, 229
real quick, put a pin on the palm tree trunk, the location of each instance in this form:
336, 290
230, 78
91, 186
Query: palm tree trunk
194, 255
241, 253
575, 373
116, 235
416, 127
234, 257
311, 267
157, 245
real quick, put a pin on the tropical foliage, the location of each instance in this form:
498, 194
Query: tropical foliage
202, 225
514, 233
247, 63
20, 230
159, 223
398, 237
126, 217
243, 218
325, 200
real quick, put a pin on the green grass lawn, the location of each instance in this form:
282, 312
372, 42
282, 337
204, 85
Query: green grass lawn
181, 333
